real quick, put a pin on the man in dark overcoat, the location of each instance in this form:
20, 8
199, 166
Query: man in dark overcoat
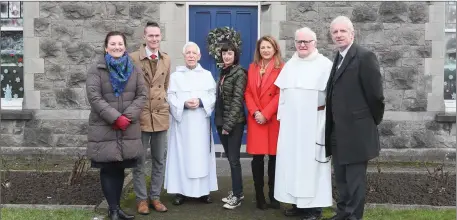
354, 109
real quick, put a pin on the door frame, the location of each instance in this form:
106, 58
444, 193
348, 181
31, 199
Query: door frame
253, 3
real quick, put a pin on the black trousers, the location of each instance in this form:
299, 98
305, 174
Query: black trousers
232, 148
112, 180
350, 182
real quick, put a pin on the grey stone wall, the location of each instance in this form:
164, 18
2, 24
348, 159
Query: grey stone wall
397, 33
63, 39
67, 37
72, 34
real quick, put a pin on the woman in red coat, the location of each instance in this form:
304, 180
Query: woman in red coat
262, 98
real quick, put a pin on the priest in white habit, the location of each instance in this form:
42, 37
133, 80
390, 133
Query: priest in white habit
303, 172
191, 163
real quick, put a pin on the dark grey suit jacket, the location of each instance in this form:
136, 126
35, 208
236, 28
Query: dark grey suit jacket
355, 106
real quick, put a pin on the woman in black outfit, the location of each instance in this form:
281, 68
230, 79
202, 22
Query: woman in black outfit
230, 118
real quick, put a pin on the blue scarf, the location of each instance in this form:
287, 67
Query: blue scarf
119, 70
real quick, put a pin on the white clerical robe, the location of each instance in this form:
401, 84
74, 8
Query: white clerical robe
303, 173
191, 161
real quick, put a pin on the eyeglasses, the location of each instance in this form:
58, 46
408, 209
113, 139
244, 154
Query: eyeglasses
299, 42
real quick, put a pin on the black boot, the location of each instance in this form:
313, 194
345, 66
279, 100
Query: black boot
113, 214
125, 216
271, 182
257, 166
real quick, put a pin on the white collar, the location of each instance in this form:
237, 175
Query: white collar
149, 52
345, 51
198, 68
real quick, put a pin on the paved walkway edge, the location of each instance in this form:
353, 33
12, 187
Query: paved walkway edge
406, 207
42, 206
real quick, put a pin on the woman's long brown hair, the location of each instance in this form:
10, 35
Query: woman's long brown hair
274, 43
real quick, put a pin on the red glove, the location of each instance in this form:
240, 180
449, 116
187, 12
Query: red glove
122, 122
115, 127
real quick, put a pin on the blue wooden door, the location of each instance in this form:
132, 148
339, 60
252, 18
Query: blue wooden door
202, 19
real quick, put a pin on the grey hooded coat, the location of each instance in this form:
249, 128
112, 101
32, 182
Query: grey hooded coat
104, 143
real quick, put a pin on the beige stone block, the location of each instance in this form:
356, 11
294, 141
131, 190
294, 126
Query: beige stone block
438, 49
408, 116
434, 66
265, 13
29, 28
437, 87
265, 28
63, 114
31, 47
31, 99
278, 13
29, 81
436, 12
167, 12
165, 46
31, 10
435, 102
275, 29
33, 65
434, 31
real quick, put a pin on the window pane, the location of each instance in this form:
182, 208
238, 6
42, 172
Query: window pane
3, 9
450, 66
15, 9
450, 13
11, 59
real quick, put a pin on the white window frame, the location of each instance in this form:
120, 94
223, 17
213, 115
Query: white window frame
449, 104
15, 103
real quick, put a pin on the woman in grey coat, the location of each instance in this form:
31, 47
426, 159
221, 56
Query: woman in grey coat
117, 94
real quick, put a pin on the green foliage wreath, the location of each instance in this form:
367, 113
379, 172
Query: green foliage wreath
219, 36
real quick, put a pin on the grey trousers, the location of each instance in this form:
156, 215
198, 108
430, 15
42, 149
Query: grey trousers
157, 141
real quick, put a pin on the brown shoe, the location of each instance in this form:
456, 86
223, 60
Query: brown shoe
158, 206
142, 207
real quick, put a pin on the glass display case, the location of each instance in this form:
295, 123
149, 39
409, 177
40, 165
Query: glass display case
11, 54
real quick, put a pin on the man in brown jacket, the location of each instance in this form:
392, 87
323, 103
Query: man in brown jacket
155, 66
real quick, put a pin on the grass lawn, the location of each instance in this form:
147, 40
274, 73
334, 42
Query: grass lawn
371, 214
196, 211
36, 214
193, 210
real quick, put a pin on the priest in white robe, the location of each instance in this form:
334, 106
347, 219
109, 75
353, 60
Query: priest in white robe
303, 172
191, 163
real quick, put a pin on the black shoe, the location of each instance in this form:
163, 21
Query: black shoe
178, 200
274, 204
206, 199
262, 205
335, 217
125, 216
113, 215
312, 217
294, 211
260, 199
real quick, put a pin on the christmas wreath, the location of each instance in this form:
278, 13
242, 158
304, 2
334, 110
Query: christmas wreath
219, 36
